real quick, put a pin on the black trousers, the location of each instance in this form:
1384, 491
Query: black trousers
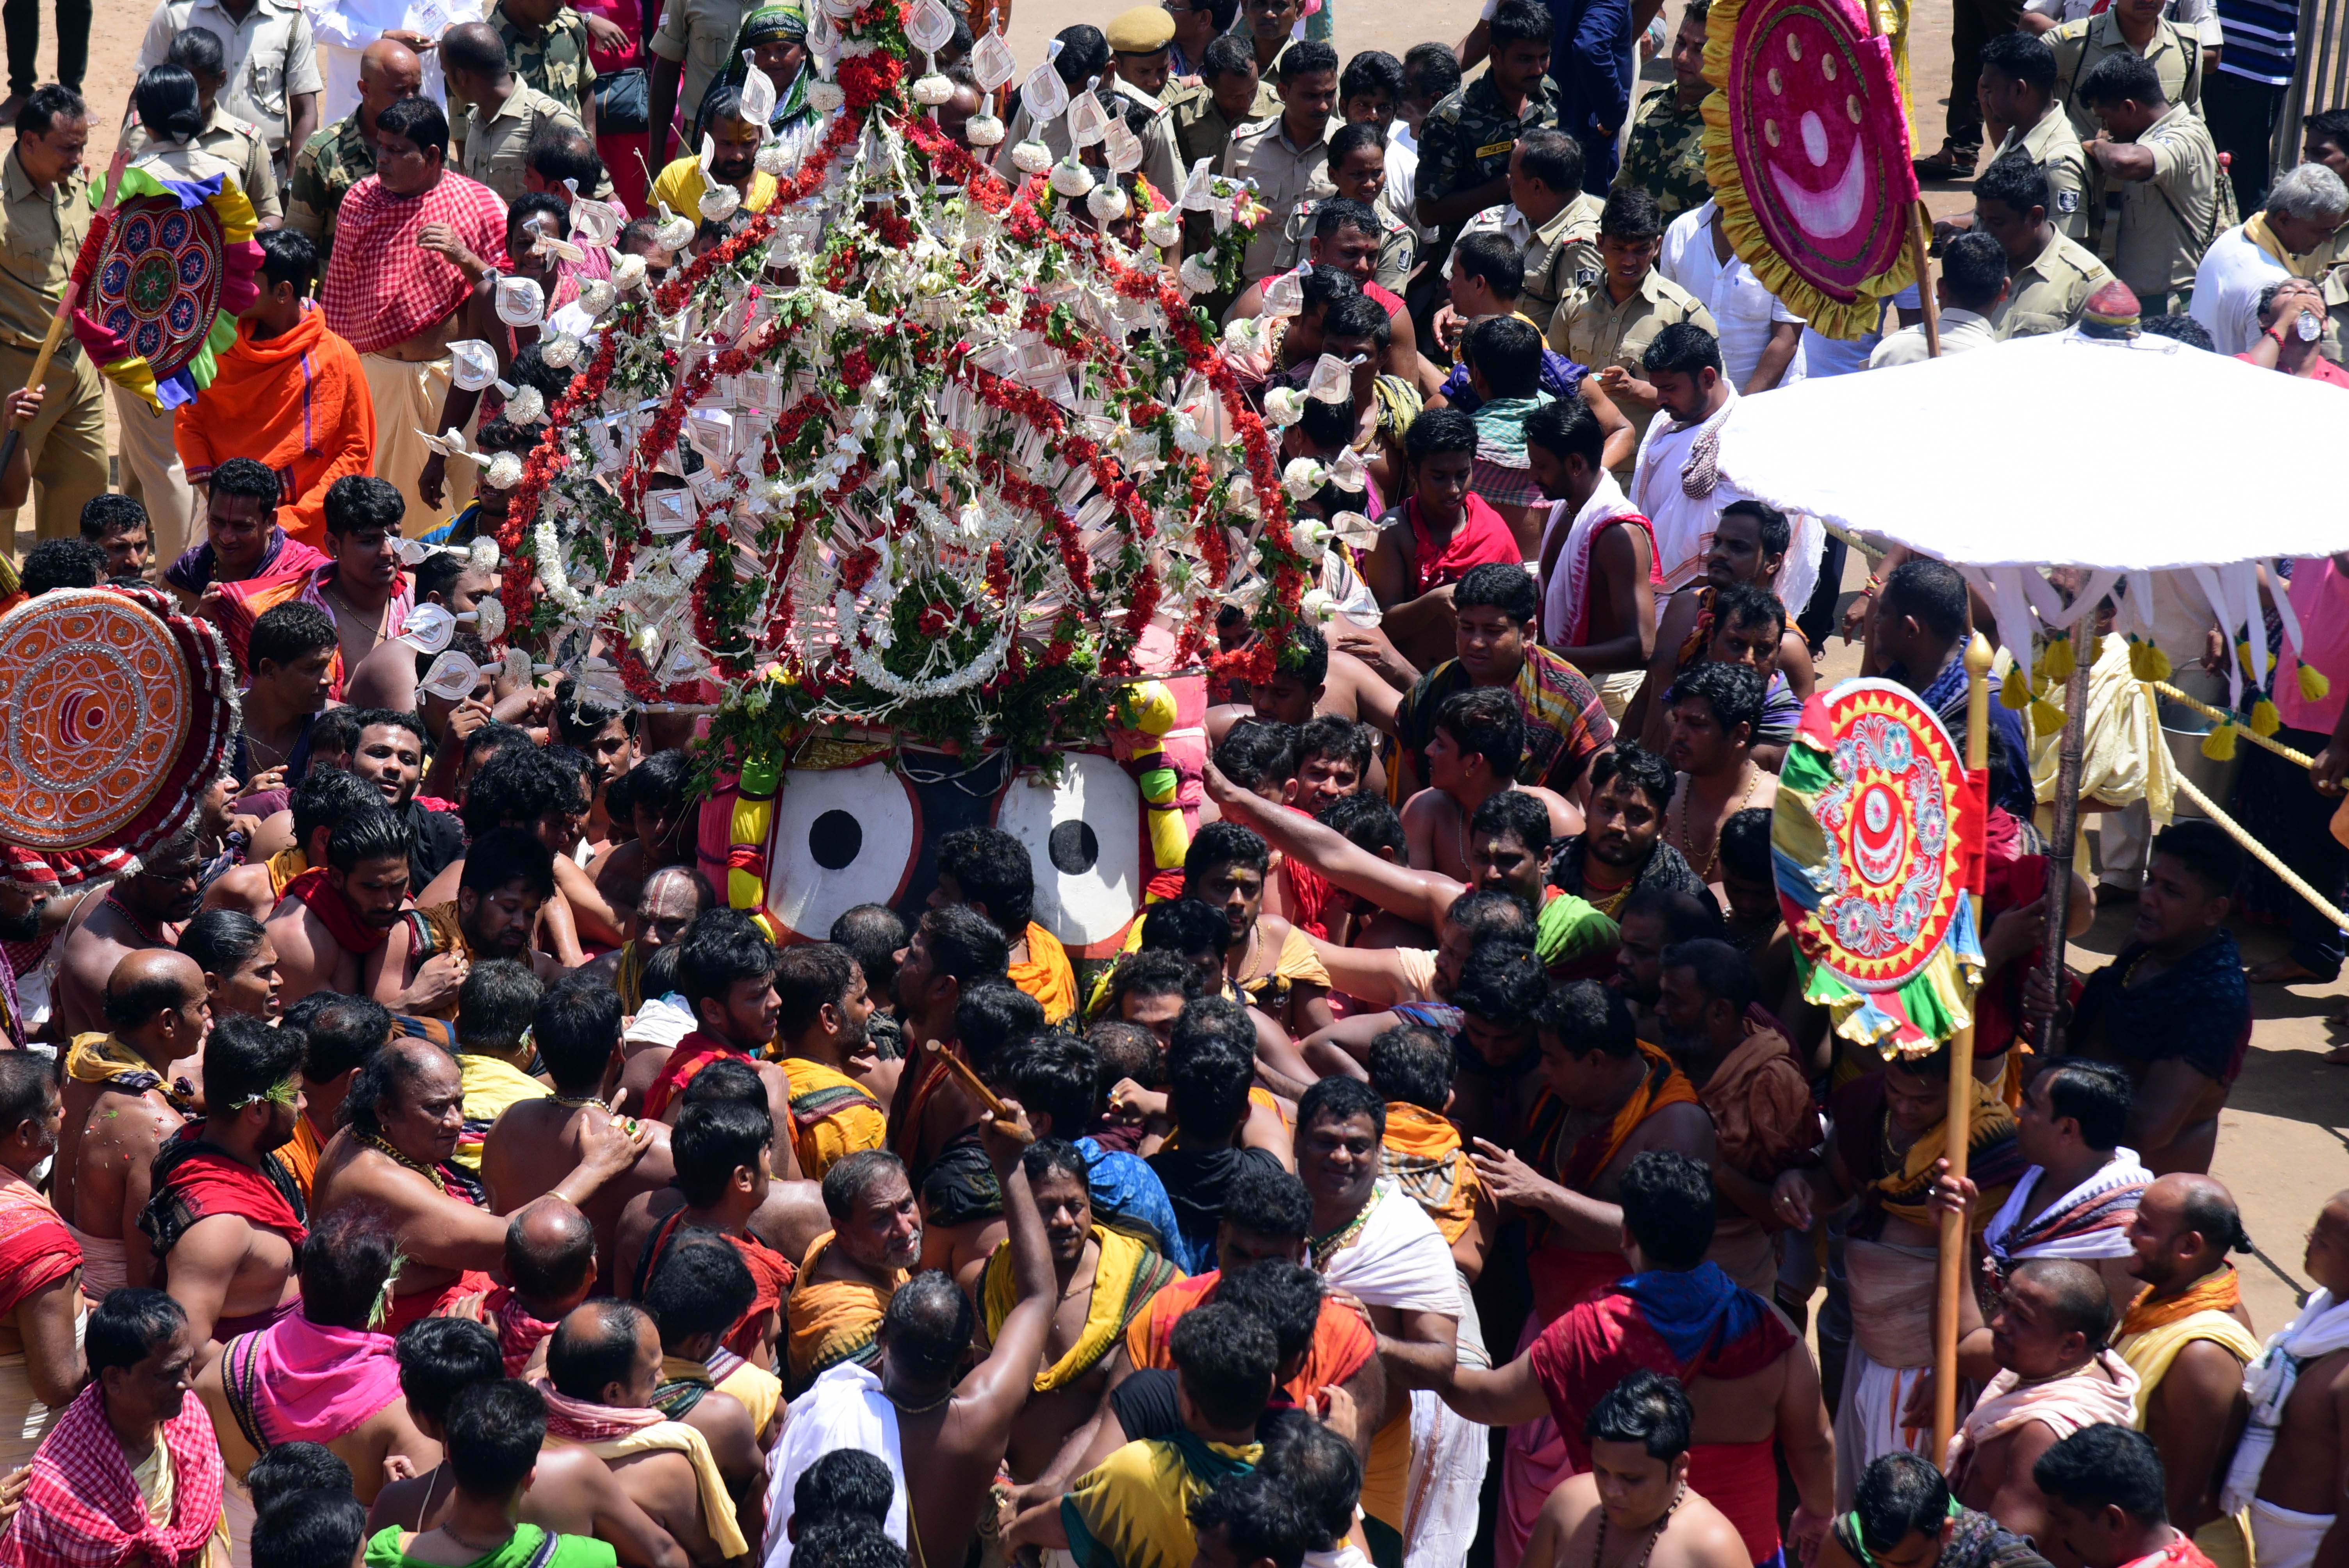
2290, 818
1972, 24
2241, 114
22, 21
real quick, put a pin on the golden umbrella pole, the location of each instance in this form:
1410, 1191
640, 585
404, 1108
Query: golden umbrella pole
1950, 1278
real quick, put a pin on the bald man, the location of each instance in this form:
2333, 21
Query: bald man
402, 1117
123, 1101
551, 1267
2188, 1338
665, 904
343, 154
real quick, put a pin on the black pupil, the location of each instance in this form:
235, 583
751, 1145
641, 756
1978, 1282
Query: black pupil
835, 840
1073, 847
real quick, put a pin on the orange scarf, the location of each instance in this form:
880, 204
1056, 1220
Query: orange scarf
1663, 1084
1421, 1152
1046, 975
2217, 1292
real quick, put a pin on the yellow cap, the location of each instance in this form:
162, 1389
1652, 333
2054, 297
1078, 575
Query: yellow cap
1144, 30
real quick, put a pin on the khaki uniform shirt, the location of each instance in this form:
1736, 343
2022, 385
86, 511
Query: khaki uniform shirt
270, 58
2152, 232
1398, 246
1285, 174
497, 151
236, 146
1589, 328
700, 35
1961, 331
1192, 128
1562, 256
2054, 147
40, 236
329, 164
2049, 295
2176, 54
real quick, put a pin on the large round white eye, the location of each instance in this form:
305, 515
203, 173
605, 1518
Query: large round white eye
842, 837
1085, 837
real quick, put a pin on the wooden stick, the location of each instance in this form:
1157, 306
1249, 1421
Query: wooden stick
1920, 231
72, 291
2063, 843
1949, 1277
973, 1082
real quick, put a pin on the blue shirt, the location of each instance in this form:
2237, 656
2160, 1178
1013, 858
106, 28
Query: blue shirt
1946, 695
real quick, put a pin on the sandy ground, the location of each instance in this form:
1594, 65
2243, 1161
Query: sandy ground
2284, 1134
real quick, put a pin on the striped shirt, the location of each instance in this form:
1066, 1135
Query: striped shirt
2260, 40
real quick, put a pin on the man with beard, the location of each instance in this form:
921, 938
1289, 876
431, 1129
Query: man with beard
1653, 920
1620, 847
1764, 1121
335, 918
666, 905
1467, 755
508, 875
226, 1217
1105, 1279
823, 1027
404, 1112
121, 1107
141, 911
733, 160
324, 796
1716, 710
2188, 1339
726, 972
848, 1277
1748, 545
391, 755
41, 1365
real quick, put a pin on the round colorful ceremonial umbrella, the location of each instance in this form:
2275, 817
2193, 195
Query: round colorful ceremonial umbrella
176, 269
1875, 840
1807, 146
118, 714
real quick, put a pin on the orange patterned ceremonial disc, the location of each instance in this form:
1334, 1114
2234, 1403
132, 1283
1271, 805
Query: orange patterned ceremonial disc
97, 701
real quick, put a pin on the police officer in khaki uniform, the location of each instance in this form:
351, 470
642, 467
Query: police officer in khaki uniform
1562, 251
1287, 157
2018, 80
44, 218
2129, 27
270, 58
2050, 277
1358, 155
1138, 60
504, 111
1609, 323
2153, 184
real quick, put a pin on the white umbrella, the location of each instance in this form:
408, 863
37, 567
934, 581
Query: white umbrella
2118, 457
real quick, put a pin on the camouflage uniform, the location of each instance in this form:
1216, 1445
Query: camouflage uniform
329, 164
554, 61
1666, 158
1466, 140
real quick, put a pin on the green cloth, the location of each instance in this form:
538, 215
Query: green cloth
528, 1547
1570, 930
762, 25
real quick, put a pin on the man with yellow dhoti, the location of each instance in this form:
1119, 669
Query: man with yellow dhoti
1107, 1279
2188, 1339
989, 870
851, 1270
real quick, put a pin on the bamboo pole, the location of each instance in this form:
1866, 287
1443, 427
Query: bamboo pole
1949, 1273
2260, 853
2063, 843
1920, 231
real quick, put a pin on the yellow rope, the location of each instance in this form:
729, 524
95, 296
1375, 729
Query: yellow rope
2290, 878
2220, 716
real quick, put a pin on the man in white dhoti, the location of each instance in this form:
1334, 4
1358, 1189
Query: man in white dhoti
2286, 1470
1676, 484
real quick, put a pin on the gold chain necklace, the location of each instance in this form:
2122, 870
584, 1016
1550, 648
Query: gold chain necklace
1324, 1248
1655, 1532
383, 1148
1687, 851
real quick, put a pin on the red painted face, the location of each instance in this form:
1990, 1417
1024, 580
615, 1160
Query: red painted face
1811, 120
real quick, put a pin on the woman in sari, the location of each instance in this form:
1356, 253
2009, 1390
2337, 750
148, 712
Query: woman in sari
776, 37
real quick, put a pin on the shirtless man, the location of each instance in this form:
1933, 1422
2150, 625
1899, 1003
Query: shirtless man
225, 1215
1270, 961
121, 1106
362, 587
953, 950
570, 1491
1633, 1508
139, 912
1471, 754
1070, 1377
343, 1265
1749, 545
527, 788
509, 875
1311, 678
1597, 555
665, 906
726, 972
334, 919
2290, 1467
875, 1238
406, 1110
323, 799
662, 813
1715, 710
578, 1033
2055, 1377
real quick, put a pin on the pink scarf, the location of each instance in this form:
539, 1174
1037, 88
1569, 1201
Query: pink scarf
2103, 1390
83, 1510
585, 1421
301, 1382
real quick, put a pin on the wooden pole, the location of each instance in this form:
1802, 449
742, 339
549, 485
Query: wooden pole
1920, 241
90, 246
1950, 1277
2048, 1041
